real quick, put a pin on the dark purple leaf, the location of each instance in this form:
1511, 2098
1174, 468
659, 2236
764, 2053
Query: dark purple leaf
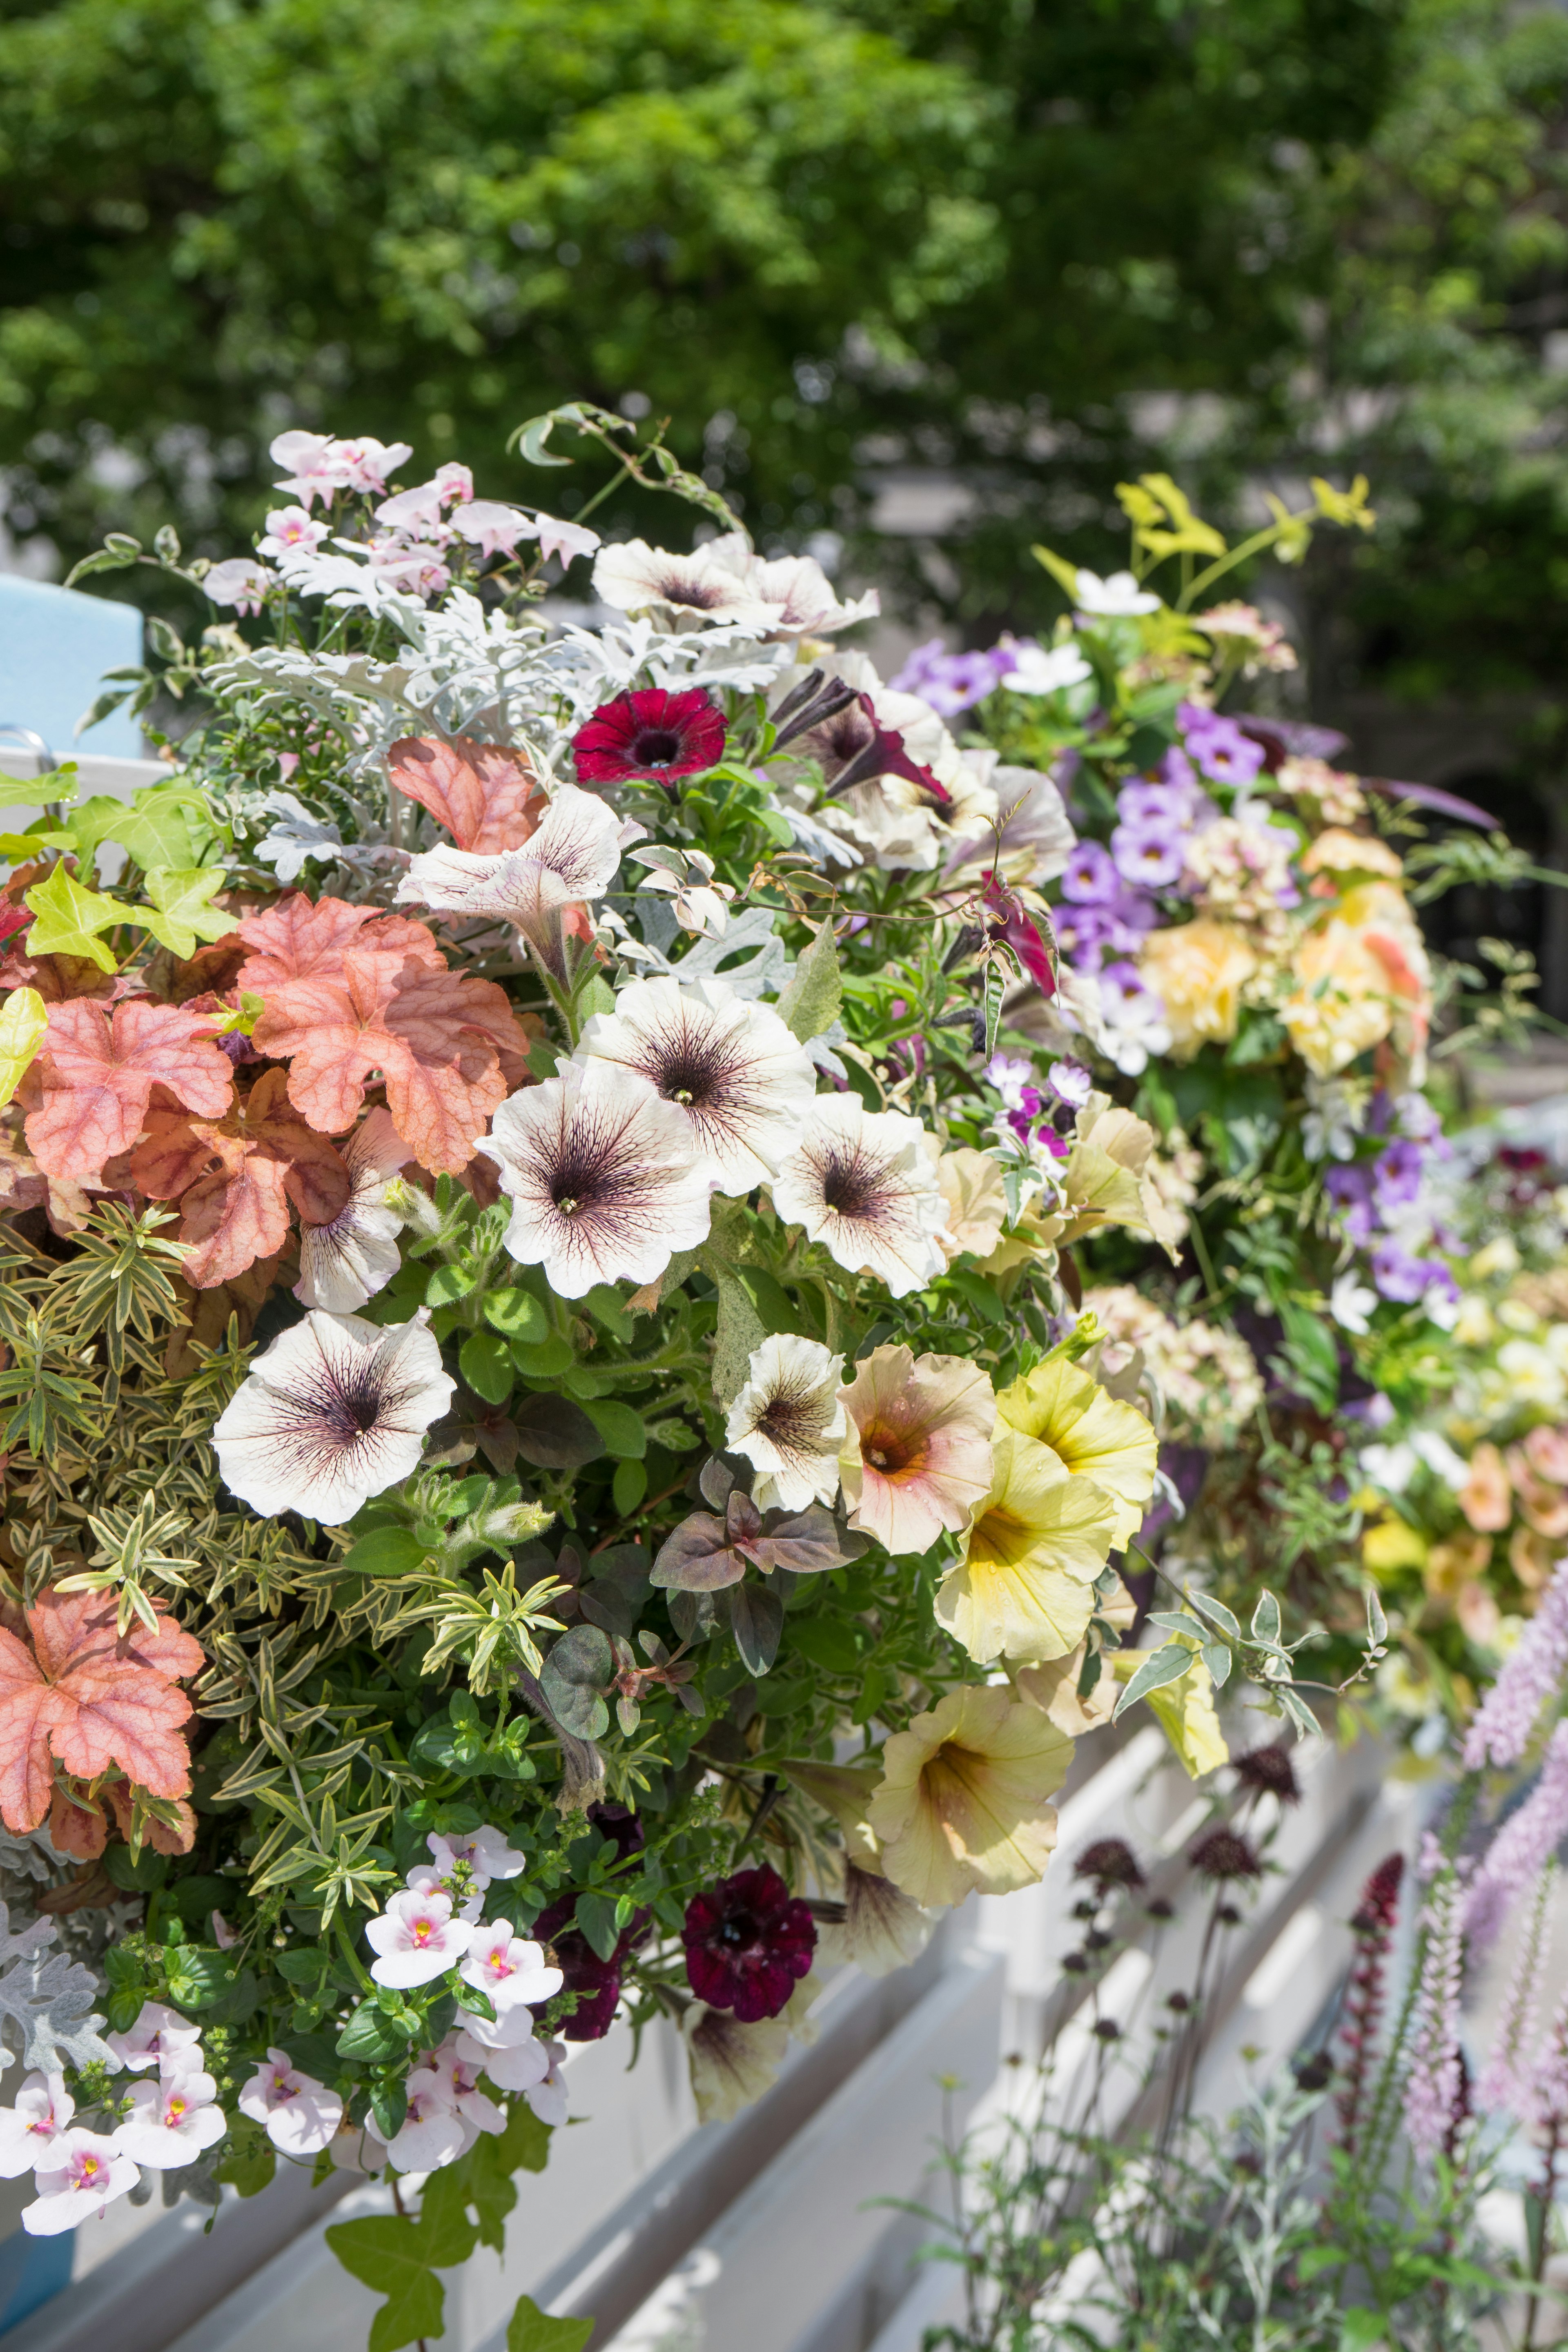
553, 1433
756, 1619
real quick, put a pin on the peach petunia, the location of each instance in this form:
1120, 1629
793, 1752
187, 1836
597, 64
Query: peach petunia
916, 1457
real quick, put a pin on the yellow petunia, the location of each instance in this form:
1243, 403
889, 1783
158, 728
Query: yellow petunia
1094, 1434
1025, 1587
963, 1806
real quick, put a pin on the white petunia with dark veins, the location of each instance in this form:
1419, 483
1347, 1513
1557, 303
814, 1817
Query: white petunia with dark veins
334, 1411
346, 1262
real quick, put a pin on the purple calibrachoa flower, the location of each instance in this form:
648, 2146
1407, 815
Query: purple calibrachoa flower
1404, 1279
1396, 1174
1532, 1672
1218, 745
1150, 855
1090, 878
1070, 1083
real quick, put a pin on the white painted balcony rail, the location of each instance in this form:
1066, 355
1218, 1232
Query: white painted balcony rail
765, 2232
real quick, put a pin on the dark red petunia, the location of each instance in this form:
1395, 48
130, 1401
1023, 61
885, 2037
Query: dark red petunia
853, 747
748, 1943
1010, 924
596, 1983
652, 733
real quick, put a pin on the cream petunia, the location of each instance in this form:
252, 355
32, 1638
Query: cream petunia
916, 1457
741, 1080
601, 1177
346, 1262
864, 1184
964, 1805
572, 858
789, 1423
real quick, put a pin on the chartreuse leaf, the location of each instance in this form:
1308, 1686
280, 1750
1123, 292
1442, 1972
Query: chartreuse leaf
68, 918
166, 825
23, 1022
185, 913
532, 2330
1064, 574
29, 791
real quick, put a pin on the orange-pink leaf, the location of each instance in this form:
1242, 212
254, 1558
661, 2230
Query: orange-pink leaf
90, 1697
305, 938
89, 1090
446, 1046
234, 1181
488, 797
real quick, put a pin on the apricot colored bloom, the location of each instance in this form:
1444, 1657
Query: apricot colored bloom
1093, 1432
1199, 970
1025, 1586
964, 1803
917, 1458
1486, 1497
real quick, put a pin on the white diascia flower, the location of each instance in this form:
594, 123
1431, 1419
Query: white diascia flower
789, 1423
548, 2097
173, 2120
457, 2079
81, 2176
508, 1967
795, 587
740, 1078
334, 1411
603, 1180
346, 1262
504, 2047
483, 1852
864, 1183
430, 1878
160, 2037
1036, 671
416, 1938
28, 2130
572, 858
1120, 596
432, 2133
299, 2114
638, 578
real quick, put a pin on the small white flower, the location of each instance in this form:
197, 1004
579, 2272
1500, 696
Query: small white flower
432, 2133
457, 2081
1036, 671
299, 2114
505, 2048
734, 1071
241, 582
416, 1938
566, 540
603, 1179
508, 1968
160, 2037
81, 2176
795, 587
1351, 1303
171, 2120
334, 1411
28, 2130
638, 578
1116, 597
570, 859
484, 1852
429, 1879
789, 1422
864, 1183
547, 2097
346, 1262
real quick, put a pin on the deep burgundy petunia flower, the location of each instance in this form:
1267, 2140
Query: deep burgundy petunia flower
748, 1943
596, 1983
652, 733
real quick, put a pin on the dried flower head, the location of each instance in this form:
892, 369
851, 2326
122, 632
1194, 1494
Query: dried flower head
1269, 1772
1108, 1861
1223, 1854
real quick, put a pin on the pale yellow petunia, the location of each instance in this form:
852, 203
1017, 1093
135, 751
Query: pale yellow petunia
1025, 1587
1091, 1431
964, 1802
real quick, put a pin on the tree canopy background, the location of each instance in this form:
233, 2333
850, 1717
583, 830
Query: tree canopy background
1029, 245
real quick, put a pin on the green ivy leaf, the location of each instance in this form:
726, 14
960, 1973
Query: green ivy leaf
68, 919
182, 910
390, 2252
532, 2330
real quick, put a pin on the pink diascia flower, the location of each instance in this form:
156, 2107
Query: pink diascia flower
458, 2076
28, 2130
484, 1852
308, 463
416, 1938
81, 2176
455, 482
299, 2114
547, 2097
431, 2134
290, 527
492, 528
504, 2047
508, 1968
430, 1878
366, 464
418, 510
171, 2120
160, 2037
242, 582
566, 540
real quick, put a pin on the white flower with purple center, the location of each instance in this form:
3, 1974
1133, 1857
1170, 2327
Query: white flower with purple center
160, 2037
570, 859
1133, 1017
638, 578
1070, 1083
788, 1422
334, 1411
508, 1968
173, 2120
416, 1938
28, 2130
81, 2175
603, 1179
299, 2114
348, 1260
864, 1184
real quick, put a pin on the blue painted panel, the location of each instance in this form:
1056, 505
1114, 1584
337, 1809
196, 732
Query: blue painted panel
31, 2271
55, 646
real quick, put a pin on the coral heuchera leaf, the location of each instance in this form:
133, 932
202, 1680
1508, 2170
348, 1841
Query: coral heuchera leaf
89, 1090
488, 796
89, 1698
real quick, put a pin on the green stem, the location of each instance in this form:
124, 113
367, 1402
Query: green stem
353, 1958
